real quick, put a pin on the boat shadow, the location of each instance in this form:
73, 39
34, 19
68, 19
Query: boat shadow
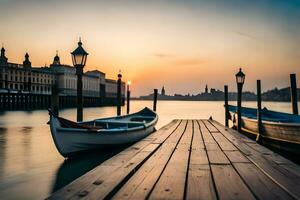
81, 163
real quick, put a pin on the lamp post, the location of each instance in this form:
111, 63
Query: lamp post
128, 96
240, 79
79, 56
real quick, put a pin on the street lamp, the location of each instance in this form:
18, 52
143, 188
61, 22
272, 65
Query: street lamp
79, 56
128, 96
240, 79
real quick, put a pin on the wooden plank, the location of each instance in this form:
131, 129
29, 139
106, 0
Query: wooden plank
199, 182
209, 126
281, 176
171, 184
223, 142
236, 157
229, 184
217, 157
141, 183
286, 179
108, 167
261, 185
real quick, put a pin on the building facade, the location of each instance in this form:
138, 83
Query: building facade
23, 78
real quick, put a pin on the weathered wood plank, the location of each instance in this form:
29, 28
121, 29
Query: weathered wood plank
286, 179
229, 184
217, 157
261, 185
82, 184
209, 126
141, 183
171, 184
236, 157
199, 181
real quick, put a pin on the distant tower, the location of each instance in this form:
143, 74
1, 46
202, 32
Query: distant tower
206, 89
26, 62
3, 59
56, 60
163, 92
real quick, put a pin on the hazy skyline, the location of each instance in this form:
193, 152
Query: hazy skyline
179, 44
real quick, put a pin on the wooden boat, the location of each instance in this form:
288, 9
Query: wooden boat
72, 137
280, 130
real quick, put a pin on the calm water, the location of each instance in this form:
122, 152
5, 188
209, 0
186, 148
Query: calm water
31, 167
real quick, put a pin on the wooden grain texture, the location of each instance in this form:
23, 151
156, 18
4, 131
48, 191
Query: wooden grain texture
171, 184
229, 184
142, 182
199, 181
261, 185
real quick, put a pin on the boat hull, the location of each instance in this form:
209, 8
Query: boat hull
70, 141
279, 135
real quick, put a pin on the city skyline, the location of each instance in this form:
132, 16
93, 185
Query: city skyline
179, 44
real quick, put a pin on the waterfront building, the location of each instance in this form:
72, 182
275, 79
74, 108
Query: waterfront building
23, 78
111, 88
26, 79
66, 80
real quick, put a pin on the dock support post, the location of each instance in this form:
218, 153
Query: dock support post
128, 99
226, 105
119, 99
294, 98
155, 99
259, 114
54, 99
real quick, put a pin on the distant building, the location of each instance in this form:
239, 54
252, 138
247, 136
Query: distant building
18, 78
163, 92
206, 89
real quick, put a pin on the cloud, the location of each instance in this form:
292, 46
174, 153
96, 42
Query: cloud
247, 35
189, 61
162, 55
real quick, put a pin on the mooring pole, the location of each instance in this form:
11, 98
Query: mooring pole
54, 98
155, 99
226, 105
119, 96
128, 99
294, 97
259, 113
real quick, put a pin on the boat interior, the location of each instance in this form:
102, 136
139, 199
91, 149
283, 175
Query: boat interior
139, 119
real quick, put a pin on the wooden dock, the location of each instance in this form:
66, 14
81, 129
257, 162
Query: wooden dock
190, 159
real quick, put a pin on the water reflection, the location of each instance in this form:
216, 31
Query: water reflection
75, 167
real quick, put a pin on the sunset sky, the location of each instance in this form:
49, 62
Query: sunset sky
179, 44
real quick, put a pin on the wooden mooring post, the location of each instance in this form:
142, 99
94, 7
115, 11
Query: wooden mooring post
259, 114
119, 99
155, 99
226, 105
54, 99
128, 98
294, 97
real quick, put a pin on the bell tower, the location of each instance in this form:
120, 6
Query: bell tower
3, 59
26, 62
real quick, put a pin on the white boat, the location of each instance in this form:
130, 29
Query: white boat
280, 130
72, 137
